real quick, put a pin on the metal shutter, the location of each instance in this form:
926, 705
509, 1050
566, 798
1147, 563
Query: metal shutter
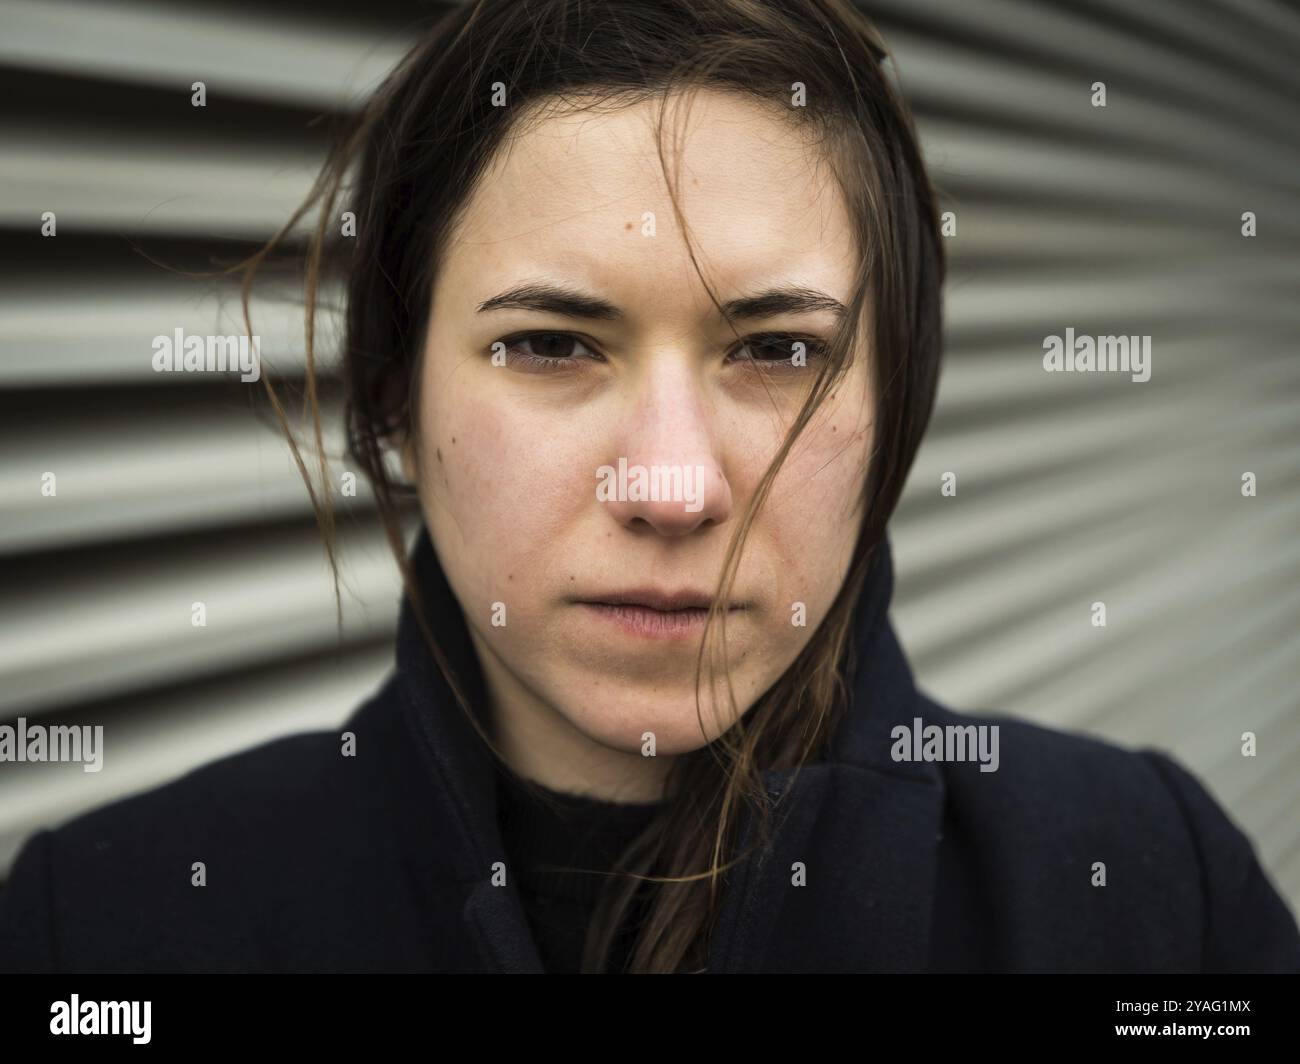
1071, 488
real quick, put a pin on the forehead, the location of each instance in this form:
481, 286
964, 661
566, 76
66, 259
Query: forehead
585, 195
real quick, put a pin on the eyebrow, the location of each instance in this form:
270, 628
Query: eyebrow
570, 303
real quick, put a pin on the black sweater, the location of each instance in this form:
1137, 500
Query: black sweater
383, 861
547, 840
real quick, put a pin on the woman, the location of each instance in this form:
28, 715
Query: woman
643, 304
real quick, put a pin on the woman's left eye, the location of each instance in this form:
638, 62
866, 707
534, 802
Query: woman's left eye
779, 350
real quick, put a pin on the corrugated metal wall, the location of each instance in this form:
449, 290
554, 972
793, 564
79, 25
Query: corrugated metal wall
1071, 488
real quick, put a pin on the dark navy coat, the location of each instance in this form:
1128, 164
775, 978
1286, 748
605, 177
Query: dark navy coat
382, 861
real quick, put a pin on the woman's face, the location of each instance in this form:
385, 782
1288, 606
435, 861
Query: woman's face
572, 235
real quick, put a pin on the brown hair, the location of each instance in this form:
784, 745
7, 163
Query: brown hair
407, 164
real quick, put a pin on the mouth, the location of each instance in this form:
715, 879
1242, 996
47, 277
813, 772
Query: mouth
651, 614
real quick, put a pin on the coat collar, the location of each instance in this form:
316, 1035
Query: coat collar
864, 825
880, 886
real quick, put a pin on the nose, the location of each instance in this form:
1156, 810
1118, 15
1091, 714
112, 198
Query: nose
666, 474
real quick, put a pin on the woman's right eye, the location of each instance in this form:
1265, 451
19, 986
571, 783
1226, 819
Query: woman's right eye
542, 350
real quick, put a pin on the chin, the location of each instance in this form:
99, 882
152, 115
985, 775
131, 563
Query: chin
623, 717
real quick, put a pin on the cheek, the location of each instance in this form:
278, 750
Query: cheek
813, 513
499, 485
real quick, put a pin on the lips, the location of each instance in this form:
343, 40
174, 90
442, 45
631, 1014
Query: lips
652, 613
651, 598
